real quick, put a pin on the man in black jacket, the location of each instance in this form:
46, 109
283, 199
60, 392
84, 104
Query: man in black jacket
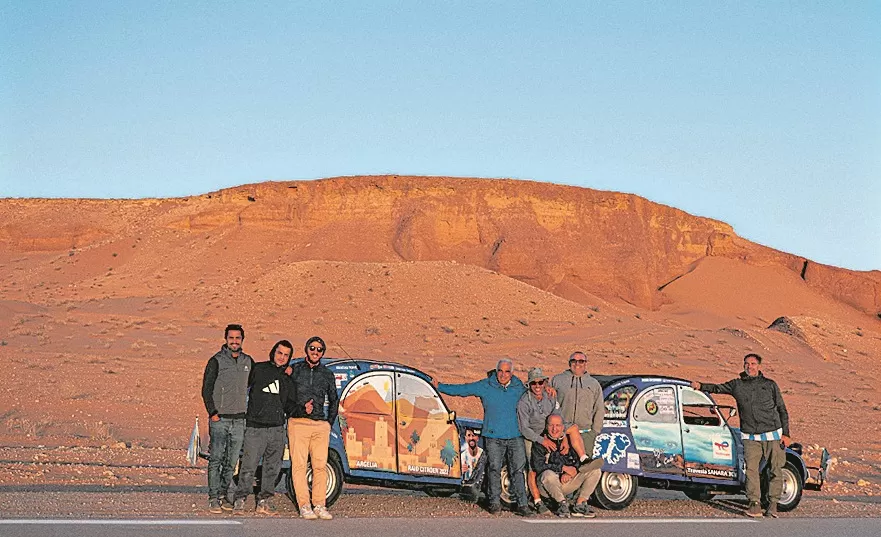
559, 475
270, 391
309, 428
764, 426
225, 394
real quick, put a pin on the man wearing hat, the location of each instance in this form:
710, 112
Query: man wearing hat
535, 405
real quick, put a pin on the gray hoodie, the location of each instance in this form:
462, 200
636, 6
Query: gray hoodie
581, 400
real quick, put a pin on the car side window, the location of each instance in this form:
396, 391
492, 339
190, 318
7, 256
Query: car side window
698, 409
618, 403
420, 396
656, 405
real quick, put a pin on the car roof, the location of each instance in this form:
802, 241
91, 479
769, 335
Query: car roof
607, 380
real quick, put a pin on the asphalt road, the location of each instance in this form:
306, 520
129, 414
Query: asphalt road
450, 527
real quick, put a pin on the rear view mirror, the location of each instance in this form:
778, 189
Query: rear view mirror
732, 412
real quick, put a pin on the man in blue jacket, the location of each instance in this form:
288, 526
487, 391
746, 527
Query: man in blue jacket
499, 395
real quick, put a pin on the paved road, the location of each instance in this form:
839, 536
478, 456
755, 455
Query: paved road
449, 527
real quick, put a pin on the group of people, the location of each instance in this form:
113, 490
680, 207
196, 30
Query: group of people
545, 432
248, 406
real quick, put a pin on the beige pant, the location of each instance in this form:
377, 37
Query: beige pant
308, 439
583, 482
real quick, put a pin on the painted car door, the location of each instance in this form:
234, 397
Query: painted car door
367, 422
428, 443
655, 428
708, 445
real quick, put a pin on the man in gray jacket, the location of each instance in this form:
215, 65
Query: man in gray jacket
764, 429
225, 394
581, 399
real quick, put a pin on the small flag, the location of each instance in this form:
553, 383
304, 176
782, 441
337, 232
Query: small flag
195, 445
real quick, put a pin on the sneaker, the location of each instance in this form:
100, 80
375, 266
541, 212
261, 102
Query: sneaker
494, 508
562, 510
307, 513
322, 512
771, 511
225, 505
239, 505
583, 510
590, 464
214, 506
263, 508
754, 511
524, 511
539, 507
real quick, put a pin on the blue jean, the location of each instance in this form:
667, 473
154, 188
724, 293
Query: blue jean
497, 451
226, 437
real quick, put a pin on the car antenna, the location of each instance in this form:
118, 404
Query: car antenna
349, 357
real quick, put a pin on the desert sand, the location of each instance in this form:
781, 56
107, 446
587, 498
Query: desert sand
109, 309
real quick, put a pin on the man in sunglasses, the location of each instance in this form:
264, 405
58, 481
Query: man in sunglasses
533, 409
499, 394
581, 399
309, 428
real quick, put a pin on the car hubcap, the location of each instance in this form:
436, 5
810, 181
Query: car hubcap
790, 487
616, 487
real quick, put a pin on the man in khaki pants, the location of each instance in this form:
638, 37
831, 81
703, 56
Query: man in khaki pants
764, 426
309, 428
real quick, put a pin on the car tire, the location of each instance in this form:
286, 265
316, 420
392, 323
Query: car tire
335, 480
699, 494
615, 491
507, 494
793, 486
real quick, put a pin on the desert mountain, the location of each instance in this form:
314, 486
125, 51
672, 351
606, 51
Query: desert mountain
109, 309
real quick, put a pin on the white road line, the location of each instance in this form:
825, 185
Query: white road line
643, 521
110, 522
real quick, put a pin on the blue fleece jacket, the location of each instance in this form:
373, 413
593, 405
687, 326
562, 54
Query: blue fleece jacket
499, 404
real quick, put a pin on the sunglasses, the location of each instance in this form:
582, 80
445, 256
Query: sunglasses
537, 383
316, 349
577, 361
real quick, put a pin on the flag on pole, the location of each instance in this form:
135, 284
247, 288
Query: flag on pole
195, 445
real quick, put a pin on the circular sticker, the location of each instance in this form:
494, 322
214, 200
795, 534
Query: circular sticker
651, 407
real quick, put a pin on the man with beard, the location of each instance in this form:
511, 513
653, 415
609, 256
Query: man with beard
764, 429
473, 465
309, 428
225, 393
270, 389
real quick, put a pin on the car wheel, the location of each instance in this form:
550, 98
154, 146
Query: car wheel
507, 497
793, 486
700, 495
334, 480
616, 491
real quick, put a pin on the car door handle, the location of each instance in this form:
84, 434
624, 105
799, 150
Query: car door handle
687, 430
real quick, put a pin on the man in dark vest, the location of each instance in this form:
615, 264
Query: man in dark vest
225, 393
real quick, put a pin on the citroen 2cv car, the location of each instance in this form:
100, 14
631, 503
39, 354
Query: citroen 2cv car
394, 430
659, 432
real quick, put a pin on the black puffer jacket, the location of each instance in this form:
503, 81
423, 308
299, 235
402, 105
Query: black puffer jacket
318, 384
270, 391
759, 403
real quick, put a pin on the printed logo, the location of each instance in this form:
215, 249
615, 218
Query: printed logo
611, 447
272, 388
651, 407
721, 448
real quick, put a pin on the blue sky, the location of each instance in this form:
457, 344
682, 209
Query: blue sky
766, 115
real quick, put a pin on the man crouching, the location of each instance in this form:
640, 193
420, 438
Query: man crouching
559, 475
